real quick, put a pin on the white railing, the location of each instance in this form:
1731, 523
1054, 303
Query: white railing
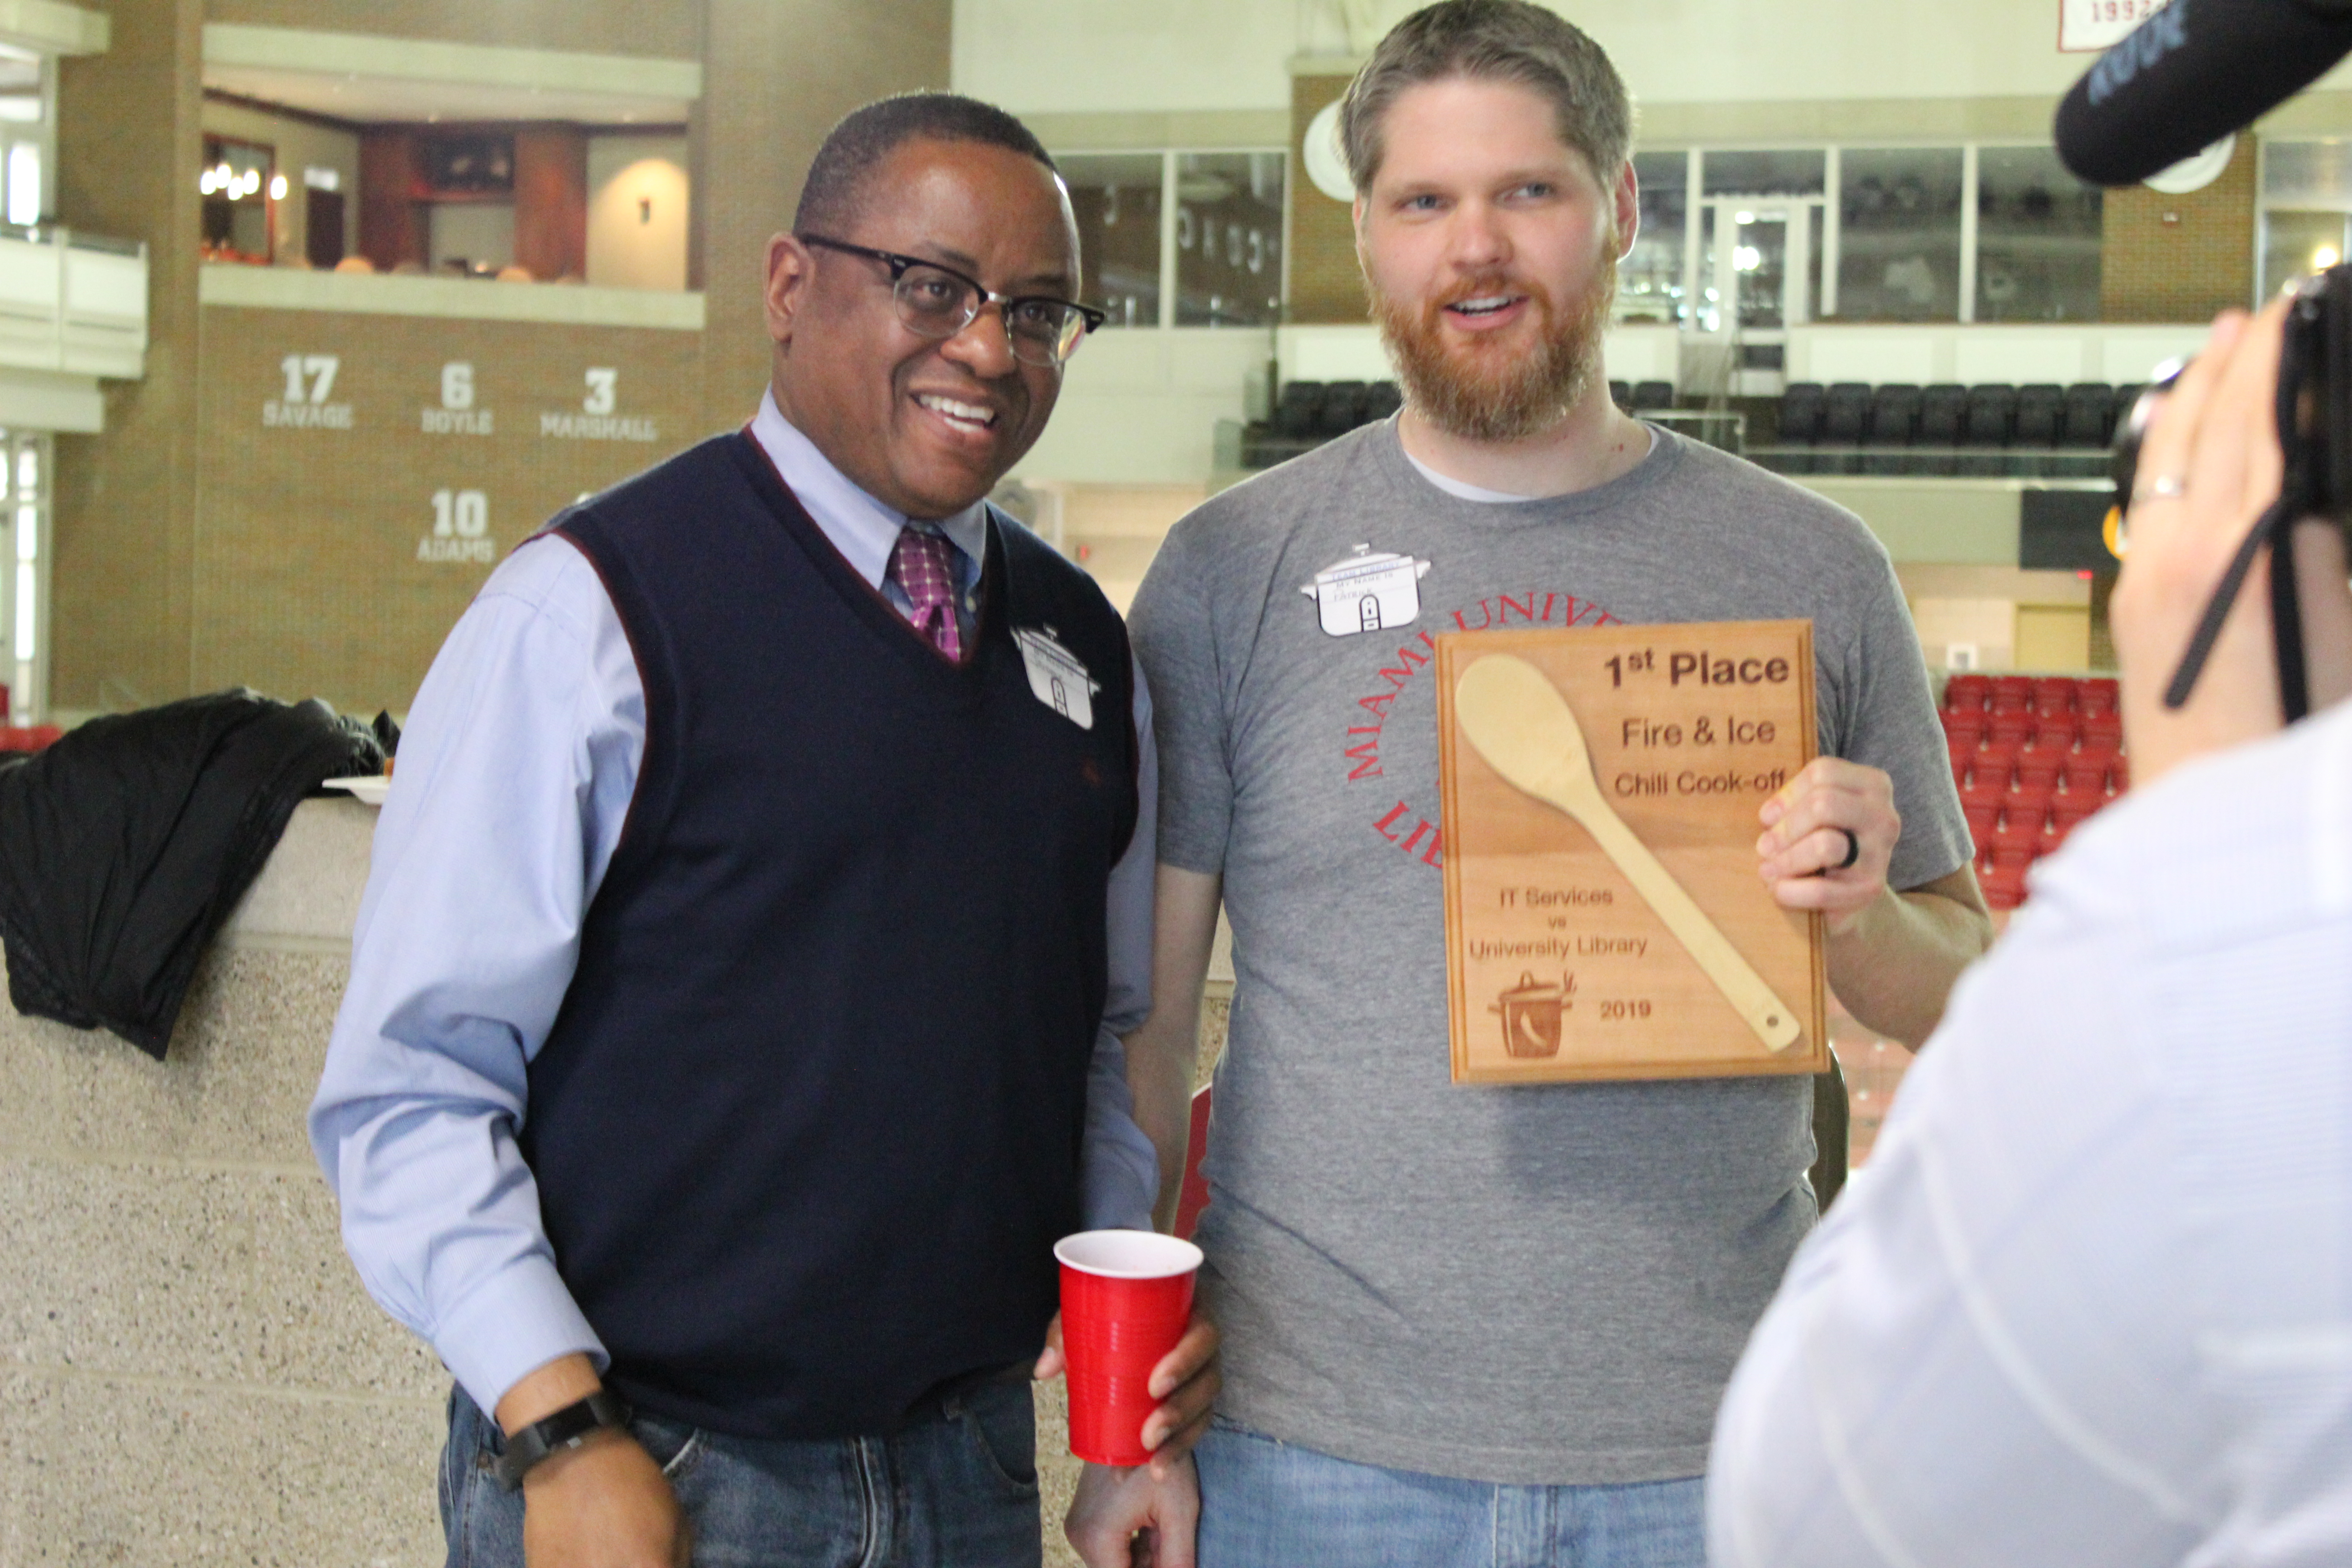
72, 302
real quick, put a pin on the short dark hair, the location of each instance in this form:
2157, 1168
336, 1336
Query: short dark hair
835, 189
1492, 40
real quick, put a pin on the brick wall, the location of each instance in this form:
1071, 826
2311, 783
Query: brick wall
318, 568
1326, 285
778, 75
2180, 258
125, 501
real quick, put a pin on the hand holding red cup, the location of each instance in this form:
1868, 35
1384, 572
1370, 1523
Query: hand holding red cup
1127, 1298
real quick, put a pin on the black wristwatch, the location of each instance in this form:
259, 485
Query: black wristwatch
567, 1428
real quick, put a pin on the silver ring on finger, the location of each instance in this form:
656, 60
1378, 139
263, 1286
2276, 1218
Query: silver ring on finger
2163, 487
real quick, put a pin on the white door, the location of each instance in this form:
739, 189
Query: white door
1757, 263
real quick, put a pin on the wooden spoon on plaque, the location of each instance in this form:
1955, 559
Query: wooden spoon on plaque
1521, 724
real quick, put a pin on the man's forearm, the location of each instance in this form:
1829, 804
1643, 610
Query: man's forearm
1159, 1066
1895, 964
1163, 1054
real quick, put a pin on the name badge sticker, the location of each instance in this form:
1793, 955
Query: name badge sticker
1056, 676
1367, 592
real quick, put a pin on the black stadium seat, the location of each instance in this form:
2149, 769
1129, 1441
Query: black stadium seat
1992, 407
2087, 416
1343, 408
1621, 392
2038, 404
1300, 409
1653, 395
1800, 413
1894, 415
1843, 407
1382, 399
1943, 407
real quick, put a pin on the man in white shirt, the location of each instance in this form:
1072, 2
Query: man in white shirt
2090, 1305
732, 1024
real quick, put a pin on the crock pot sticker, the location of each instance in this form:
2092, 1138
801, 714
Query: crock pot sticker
1364, 591
1056, 676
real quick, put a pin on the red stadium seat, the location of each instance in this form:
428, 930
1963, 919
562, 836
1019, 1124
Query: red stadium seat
1982, 820
2053, 694
2085, 774
2004, 886
2057, 731
2013, 694
2098, 695
1963, 692
1992, 794
2040, 768
2016, 725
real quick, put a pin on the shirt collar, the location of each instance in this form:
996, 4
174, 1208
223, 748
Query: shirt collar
862, 529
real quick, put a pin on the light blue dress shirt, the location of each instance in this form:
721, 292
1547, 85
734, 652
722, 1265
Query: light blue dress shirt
516, 772
2090, 1303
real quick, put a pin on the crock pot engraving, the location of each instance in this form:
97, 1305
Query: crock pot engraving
1055, 675
1366, 592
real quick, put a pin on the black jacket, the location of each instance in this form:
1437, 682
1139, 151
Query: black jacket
124, 847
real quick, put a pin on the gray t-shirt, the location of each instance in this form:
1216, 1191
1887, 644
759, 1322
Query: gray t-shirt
1542, 1283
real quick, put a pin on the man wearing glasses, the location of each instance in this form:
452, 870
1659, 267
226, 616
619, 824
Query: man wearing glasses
733, 1018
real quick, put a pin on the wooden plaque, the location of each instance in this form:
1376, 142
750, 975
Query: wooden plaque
1643, 945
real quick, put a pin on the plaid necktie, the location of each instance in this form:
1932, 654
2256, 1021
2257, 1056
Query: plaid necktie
920, 565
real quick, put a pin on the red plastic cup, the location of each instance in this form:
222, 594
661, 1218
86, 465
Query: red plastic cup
1127, 1297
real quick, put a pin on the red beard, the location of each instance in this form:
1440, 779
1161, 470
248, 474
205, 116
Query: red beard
1489, 391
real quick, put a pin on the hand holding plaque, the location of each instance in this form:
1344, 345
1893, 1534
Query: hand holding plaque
1687, 730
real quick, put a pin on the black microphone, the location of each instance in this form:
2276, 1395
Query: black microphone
2189, 76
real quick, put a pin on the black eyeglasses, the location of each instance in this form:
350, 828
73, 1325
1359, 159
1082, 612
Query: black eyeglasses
936, 302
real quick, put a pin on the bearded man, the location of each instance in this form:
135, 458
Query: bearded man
1491, 1325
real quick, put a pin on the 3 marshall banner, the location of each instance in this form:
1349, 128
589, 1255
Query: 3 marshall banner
361, 475
2086, 26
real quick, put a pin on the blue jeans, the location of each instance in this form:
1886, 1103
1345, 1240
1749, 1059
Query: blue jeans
958, 1491
1269, 1504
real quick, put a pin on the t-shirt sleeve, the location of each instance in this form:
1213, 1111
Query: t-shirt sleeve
1887, 721
1173, 624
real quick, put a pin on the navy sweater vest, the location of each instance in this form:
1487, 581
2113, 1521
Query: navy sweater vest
807, 1125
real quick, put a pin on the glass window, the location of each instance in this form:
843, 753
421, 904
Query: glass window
234, 184
1899, 234
1228, 238
2307, 175
1650, 279
2298, 242
2306, 195
1116, 199
1797, 173
2037, 238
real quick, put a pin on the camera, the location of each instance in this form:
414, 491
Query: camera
2315, 431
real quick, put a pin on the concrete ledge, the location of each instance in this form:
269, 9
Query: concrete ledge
55, 28
244, 1063
318, 52
387, 294
1971, 523
216, 1274
99, 1469
307, 898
